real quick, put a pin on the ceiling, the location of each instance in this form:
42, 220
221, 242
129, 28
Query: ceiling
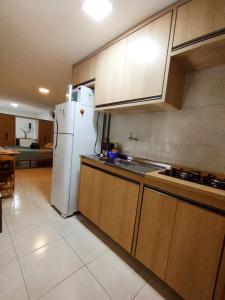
40, 40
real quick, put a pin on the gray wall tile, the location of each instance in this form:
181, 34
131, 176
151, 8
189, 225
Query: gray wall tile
193, 136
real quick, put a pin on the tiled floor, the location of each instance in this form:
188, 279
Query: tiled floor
43, 256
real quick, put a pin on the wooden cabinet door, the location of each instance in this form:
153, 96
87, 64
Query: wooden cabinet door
155, 231
195, 253
45, 132
198, 18
7, 130
109, 74
146, 56
118, 211
90, 196
85, 71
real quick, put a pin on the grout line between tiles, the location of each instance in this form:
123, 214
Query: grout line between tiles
63, 237
86, 265
58, 283
31, 252
21, 271
99, 282
138, 291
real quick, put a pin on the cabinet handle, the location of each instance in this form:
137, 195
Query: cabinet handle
159, 191
6, 136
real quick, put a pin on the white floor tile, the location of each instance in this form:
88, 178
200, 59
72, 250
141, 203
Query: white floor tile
12, 286
147, 293
47, 209
7, 253
48, 266
80, 286
65, 226
118, 278
17, 204
19, 192
33, 237
86, 245
26, 217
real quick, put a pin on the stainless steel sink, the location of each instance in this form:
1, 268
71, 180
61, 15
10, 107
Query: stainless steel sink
135, 166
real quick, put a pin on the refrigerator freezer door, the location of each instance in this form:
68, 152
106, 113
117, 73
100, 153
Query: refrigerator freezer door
61, 173
64, 117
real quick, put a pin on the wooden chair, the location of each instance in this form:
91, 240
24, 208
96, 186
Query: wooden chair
7, 180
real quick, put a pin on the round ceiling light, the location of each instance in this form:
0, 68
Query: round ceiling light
44, 90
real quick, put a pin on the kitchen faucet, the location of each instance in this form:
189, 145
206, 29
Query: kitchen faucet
131, 138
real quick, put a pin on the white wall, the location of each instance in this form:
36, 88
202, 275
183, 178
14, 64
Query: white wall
193, 136
22, 123
24, 110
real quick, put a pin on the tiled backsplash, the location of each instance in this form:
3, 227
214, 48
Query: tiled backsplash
193, 136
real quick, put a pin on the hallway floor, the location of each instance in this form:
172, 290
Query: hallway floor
43, 256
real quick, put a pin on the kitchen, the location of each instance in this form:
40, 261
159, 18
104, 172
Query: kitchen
160, 203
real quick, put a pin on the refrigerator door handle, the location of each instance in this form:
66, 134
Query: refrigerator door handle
57, 128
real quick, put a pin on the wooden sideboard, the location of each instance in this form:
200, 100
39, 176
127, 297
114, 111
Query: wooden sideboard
7, 130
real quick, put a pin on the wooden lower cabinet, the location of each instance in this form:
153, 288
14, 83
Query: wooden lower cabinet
155, 231
195, 253
90, 198
179, 241
118, 210
110, 202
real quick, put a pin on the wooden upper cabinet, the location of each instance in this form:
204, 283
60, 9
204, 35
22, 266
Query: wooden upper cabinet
90, 195
195, 253
7, 130
198, 18
155, 231
45, 132
118, 210
85, 71
146, 56
109, 74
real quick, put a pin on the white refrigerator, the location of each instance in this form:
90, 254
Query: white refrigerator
75, 133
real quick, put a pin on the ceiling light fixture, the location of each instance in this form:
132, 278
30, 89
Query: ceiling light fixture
14, 104
43, 90
97, 9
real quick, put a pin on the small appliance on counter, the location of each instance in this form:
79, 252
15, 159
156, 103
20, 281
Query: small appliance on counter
75, 133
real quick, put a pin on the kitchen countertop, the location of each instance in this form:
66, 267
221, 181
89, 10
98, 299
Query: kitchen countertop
204, 195
139, 168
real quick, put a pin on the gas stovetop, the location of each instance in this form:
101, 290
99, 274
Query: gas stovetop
197, 177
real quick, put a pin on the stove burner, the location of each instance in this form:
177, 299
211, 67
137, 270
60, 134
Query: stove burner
213, 181
190, 176
197, 177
